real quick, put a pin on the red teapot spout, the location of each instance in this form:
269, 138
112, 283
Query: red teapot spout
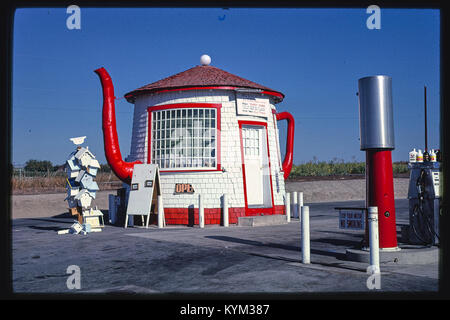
123, 170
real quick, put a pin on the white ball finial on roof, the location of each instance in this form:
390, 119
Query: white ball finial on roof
205, 60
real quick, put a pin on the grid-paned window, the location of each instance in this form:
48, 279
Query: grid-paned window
250, 139
184, 138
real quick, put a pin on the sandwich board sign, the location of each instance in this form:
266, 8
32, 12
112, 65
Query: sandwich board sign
144, 191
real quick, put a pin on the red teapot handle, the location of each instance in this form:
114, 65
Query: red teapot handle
288, 158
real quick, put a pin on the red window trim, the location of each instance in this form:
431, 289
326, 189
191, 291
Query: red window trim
216, 106
250, 211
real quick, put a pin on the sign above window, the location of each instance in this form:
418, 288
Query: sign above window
253, 107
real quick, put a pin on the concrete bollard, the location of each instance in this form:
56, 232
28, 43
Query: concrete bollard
300, 199
201, 212
305, 234
287, 204
225, 211
294, 205
374, 240
160, 212
299, 202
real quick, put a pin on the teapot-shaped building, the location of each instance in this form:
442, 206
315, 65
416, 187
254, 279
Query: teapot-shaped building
211, 133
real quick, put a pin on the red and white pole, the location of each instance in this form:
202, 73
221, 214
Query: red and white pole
380, 194
377, 140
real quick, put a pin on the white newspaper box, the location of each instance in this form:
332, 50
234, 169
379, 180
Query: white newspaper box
144, 191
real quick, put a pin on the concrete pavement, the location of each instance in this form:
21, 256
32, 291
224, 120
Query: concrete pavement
180, 259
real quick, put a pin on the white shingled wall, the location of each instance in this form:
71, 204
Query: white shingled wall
211, 184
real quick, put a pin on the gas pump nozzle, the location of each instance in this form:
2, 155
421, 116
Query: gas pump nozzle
420, 184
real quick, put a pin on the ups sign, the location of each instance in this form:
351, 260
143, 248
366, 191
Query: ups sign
184, 188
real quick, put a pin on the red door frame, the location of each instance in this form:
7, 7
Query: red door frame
254, 211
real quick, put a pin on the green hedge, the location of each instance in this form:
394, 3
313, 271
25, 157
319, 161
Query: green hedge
338, 168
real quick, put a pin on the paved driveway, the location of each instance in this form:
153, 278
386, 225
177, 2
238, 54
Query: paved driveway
215, 259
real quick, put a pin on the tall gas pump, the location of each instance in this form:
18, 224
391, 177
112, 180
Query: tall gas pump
424, 203
377, 140
424, 196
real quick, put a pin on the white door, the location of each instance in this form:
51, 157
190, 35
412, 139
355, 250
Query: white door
255, 160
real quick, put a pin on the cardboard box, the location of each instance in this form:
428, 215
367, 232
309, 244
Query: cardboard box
75, 211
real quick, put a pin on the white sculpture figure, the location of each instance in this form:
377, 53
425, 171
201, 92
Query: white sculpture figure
81, 168
78, 140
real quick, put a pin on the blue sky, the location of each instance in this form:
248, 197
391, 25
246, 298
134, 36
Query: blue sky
314, 56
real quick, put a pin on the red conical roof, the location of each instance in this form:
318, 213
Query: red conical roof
202, 77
